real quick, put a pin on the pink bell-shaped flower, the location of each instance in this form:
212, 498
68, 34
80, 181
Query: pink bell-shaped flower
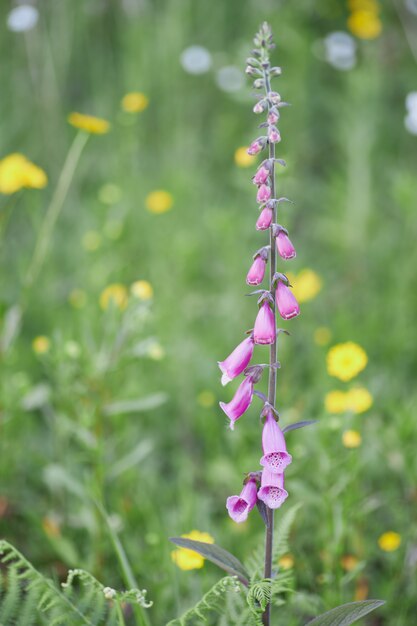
257, 271
237, 361
240, 402
276, 457
264, 331
284, 246
272, 491
240, 506
287, 305
265, 219
261, 176
264, 193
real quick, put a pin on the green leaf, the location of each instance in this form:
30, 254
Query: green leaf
216, 555
346, 613
290, 427
138, 404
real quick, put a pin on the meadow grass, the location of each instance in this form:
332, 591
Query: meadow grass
166, 468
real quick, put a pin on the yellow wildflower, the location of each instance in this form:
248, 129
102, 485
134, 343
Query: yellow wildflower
155, 351
346, 360
335, 401
364, 24
349, 562
359, 399
389, 541
41, 344
322, 335
91, 240
188, 559
206, 399
34, 176
77, 298
306, 284
159, 201
134, 102
89, 123
351, 439
286, 561
115, 294
142, 290
16, 172
242, 158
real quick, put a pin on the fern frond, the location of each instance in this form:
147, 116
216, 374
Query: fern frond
281, 546
212, 602
266, 591
27, 597
255, 563
48, 596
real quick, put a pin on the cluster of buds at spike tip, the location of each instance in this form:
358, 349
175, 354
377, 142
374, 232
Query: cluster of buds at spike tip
267, 485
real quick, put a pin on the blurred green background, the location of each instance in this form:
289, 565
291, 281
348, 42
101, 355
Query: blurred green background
118, 402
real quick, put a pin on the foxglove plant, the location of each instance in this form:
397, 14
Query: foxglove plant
271, 493
264, 488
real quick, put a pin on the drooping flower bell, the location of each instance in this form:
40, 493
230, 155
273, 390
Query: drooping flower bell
265, 218
240, 402
240, 506
256, 146
237, 361
264, 331
276, 457
272, 491
261, 176
273, 134
257, 270
259, 107
287, 304
264, 193
285, 247
273, 116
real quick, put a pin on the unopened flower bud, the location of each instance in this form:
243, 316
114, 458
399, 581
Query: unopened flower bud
256, 146
275, 71
264, 220
257, 271
273, 116
264, 331
258, 83
259, 107
274, 97
285, 247
273, 134
261, 176
287, 305
264, 193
